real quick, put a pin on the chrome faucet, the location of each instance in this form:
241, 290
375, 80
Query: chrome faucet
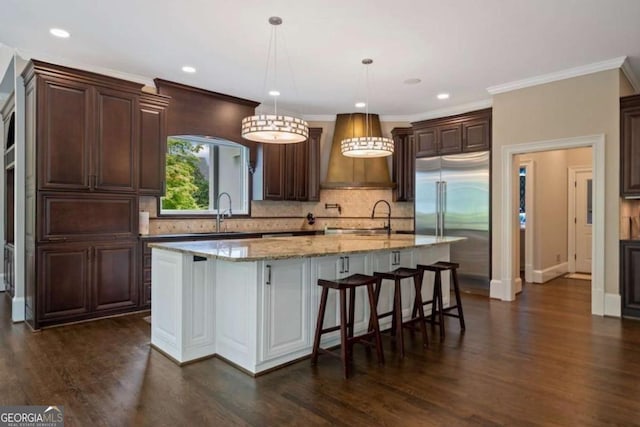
373, 214
227, 211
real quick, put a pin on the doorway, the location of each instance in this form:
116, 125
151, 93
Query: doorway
506, 282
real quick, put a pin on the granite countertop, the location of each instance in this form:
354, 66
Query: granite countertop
300, 246
228, 234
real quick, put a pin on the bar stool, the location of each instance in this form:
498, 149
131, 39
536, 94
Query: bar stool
436, 301
397, 324
346, 323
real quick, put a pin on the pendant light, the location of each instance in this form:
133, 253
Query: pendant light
274, 128
367, 146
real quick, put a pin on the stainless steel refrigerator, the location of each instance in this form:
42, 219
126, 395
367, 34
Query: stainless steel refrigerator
452, 199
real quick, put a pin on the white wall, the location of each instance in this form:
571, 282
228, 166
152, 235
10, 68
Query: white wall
580, 106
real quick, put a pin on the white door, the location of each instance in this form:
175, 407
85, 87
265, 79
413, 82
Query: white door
583, 220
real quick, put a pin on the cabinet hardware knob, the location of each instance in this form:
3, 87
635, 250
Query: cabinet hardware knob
268, 274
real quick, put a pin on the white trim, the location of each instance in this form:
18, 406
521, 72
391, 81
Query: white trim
504, 286
2, 287
612, 305
441, 112
543, 276
517, 283
17, 309
409, 118
28, 55
571, 214
569, 73
631, 76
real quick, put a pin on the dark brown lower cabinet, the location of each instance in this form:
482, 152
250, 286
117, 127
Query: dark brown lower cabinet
78, 281
630, 278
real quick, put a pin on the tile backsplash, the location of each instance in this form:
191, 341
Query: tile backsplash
355, 205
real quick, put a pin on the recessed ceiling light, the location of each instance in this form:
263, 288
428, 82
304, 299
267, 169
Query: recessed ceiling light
413, 81
189, 69
443, 96
59, 32
360, 104
274, 93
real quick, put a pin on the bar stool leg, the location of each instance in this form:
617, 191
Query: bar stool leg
417, 305
456, 288
344, 346
352, 310
316, 339
373, 320
439, 304
397, 301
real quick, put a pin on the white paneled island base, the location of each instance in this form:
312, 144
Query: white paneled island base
254, 302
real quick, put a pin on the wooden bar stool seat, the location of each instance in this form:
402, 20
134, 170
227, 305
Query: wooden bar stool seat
346, 322
437, 308
397, 323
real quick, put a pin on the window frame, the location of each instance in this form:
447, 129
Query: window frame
239, 210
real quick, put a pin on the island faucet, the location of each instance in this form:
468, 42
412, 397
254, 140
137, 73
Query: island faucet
227, 211
373, 214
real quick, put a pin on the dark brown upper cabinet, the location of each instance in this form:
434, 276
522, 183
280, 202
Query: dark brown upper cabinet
87, 129
292, 171
463, 133
630, 146
153, 144
403, 161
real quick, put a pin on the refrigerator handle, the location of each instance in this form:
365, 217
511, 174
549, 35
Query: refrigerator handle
438, 208
443, 202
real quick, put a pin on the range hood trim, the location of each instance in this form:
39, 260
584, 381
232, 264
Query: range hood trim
358, 185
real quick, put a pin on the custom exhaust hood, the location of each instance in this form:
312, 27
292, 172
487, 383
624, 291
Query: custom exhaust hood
349, 172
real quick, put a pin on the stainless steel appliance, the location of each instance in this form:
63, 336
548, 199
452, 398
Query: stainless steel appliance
452, 199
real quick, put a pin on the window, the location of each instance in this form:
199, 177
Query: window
199, 169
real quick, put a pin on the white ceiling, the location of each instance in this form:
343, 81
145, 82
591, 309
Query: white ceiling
461, 47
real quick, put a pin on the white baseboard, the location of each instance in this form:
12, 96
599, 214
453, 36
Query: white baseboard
612, 305
518, 285
17, 310
502, 290
542, 276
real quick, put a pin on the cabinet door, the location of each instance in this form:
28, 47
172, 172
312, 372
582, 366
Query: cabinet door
116, 144
354, 264
398, 164
285, 307
290, 171
630, 279
114, 276
273, 158
301, 170
426, 142
313, 171
409, 169
476, 135
405, 258
63, 281
630, 151
381, 261
64, 134
327, 268
153, 147
450, 139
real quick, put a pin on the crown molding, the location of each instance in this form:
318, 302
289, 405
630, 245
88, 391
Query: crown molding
409, 118
582, 70
27, 55
441, 112
631, 76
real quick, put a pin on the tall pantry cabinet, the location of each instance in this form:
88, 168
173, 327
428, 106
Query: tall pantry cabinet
83, 139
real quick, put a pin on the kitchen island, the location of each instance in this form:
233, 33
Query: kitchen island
254, 302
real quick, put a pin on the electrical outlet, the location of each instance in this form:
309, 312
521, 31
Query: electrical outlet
558, 258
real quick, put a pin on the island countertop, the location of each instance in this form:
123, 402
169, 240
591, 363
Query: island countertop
300, 246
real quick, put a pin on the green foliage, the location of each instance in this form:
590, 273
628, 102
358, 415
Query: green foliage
187, 187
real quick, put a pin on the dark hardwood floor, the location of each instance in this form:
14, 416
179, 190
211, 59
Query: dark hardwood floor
543, 360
